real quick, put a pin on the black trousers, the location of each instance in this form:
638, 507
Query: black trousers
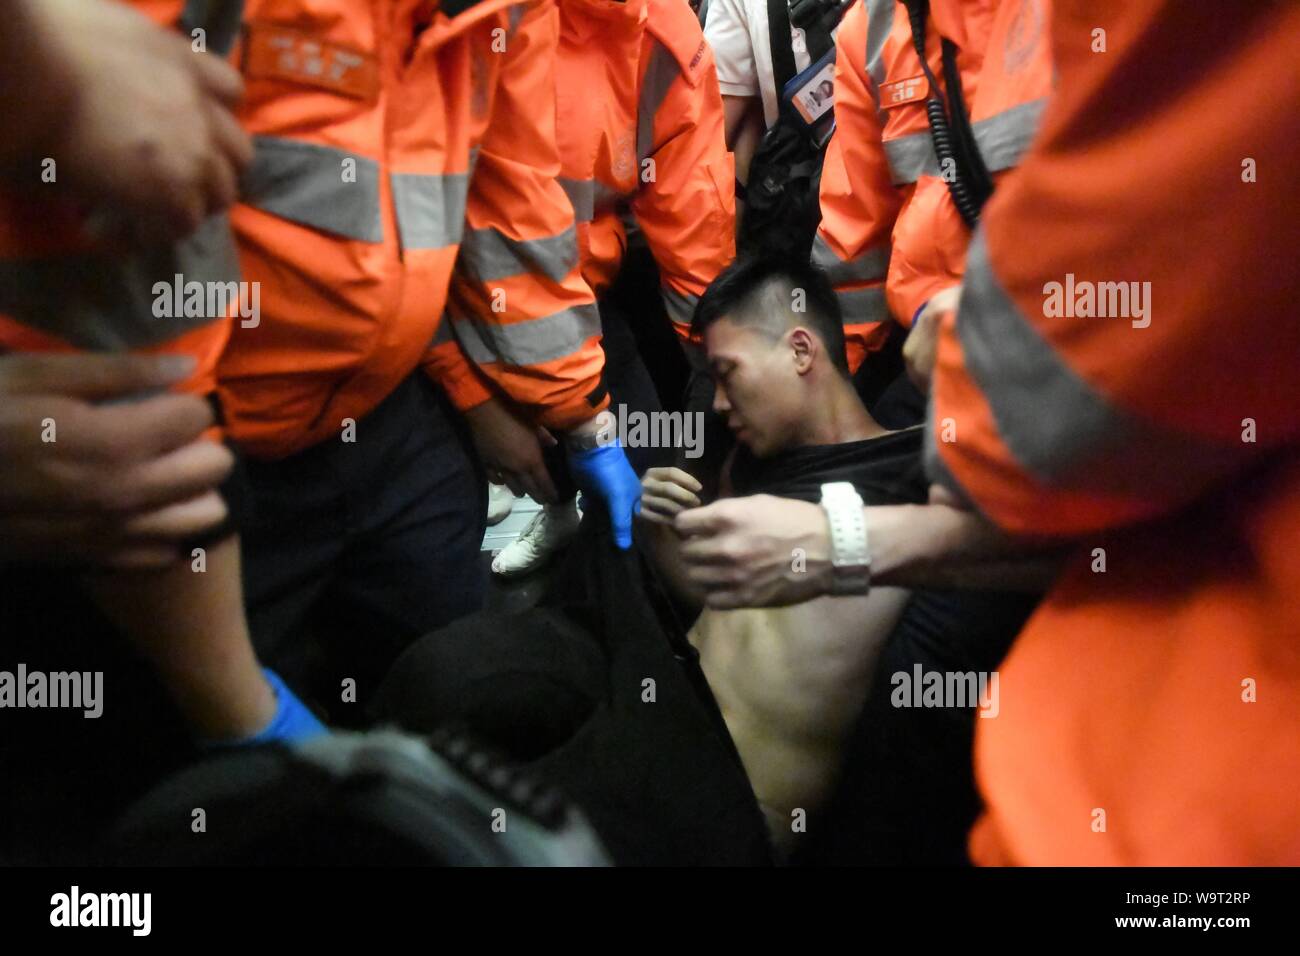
65, 776
630, 384
637, 296
906, 795
600, 695
353, 549
350, 551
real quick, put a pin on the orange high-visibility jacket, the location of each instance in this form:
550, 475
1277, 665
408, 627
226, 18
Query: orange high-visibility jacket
382, 151
890, 235
62, 291
1126, 351
405, 165
642, 145
642, 136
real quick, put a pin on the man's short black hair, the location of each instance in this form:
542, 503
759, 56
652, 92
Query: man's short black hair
775, 295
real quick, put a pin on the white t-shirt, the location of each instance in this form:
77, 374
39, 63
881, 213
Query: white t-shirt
737, 31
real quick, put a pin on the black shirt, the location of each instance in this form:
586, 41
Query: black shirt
885, 470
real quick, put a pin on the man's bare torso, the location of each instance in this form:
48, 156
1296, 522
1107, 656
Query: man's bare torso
789, 682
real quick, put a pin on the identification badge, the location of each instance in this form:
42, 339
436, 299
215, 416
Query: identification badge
815, 97
283, 53
812, 96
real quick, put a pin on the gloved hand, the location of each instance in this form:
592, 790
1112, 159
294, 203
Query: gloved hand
605, 473
292, 722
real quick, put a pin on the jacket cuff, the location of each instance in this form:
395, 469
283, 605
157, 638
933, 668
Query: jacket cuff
463, 385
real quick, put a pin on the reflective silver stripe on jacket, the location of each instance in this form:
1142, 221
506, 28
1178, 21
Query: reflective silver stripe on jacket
316, 186
589, 198
527, 343
870, 266
108, 303
335, 191
660, 74
863, 306
430, 208
880, 23
679, 305
1002, 140
1055, 424
488, 254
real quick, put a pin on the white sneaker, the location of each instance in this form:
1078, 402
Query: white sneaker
549, 531
500, 502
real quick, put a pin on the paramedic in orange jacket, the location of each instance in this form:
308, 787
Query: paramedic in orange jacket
401, 207
645, 165
109, 491
376, 161
103, 468
1087, 394
891, 238
649, 154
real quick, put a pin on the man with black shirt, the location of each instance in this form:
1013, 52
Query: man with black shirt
781, 688
789, 681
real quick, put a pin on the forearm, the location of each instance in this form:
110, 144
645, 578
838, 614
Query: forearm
739, 550
662, 547
939, 546
190, 626
744, 123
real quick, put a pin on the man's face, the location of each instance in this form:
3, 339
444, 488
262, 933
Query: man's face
758, 389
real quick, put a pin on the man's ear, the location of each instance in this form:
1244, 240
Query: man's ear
804, 346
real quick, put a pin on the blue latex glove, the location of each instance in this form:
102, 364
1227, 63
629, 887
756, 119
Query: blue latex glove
292, 722
604, 472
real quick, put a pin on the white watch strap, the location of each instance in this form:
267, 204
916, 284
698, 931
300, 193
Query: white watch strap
850, 557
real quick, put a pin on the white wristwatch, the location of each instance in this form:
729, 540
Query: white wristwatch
850, 559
